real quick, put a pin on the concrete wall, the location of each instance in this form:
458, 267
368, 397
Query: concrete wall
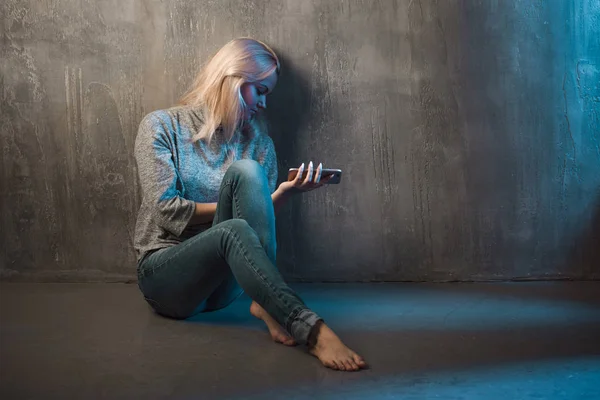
468, 132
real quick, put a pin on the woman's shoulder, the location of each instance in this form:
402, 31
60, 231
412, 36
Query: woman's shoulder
175, 114
172, 120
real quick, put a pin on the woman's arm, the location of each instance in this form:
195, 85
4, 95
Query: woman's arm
158, 175
205, 212
279, 197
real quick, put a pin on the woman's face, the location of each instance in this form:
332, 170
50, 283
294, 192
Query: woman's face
255, 94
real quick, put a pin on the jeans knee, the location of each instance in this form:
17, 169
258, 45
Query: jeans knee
238, 226
248, 169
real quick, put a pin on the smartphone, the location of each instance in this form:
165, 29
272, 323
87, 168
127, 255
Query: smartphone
325, 172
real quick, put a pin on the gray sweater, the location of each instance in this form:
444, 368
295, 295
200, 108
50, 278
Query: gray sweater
175, 172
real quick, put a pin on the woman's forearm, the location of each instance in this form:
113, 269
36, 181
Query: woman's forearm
279, 198
203, 214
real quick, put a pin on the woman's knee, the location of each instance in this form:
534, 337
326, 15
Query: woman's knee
237, 226
247, 169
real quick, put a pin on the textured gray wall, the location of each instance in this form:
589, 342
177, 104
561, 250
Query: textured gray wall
468, 131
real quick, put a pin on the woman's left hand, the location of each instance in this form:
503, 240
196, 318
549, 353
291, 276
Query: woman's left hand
311, 182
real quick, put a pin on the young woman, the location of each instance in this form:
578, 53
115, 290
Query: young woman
205, 231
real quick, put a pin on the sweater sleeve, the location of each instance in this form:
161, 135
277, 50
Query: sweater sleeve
161, 185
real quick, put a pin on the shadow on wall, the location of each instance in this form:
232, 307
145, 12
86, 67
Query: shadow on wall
301, 115
287, 112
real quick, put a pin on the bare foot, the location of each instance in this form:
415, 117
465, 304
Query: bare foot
277, 332
332, 352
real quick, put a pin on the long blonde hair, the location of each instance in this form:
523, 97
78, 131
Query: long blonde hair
216, 88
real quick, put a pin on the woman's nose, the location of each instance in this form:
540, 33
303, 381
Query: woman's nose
262, 103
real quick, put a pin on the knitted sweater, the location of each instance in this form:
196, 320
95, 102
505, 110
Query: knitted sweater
175, 173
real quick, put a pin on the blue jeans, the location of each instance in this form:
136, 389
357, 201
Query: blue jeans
209, 271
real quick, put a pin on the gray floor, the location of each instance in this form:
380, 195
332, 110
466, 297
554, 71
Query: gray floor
446, 341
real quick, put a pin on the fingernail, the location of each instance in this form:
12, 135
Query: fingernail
302, 166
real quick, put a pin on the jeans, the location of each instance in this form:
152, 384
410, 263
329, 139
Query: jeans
210, 270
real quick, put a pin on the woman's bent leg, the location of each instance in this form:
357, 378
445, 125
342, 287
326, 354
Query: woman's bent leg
244, 194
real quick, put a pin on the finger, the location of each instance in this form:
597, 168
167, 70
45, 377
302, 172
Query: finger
309, 173
318, 174
299, 175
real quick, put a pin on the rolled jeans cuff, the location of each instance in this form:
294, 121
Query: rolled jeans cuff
300, 325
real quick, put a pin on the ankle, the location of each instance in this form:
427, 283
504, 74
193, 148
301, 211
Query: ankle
256, 309
313, 336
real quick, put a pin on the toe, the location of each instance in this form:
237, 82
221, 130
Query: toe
348, 366
359, 360
280, 338
354, 366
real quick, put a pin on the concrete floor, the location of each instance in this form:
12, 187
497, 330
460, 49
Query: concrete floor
447, 341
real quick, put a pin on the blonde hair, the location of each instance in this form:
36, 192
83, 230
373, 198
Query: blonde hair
216, 88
